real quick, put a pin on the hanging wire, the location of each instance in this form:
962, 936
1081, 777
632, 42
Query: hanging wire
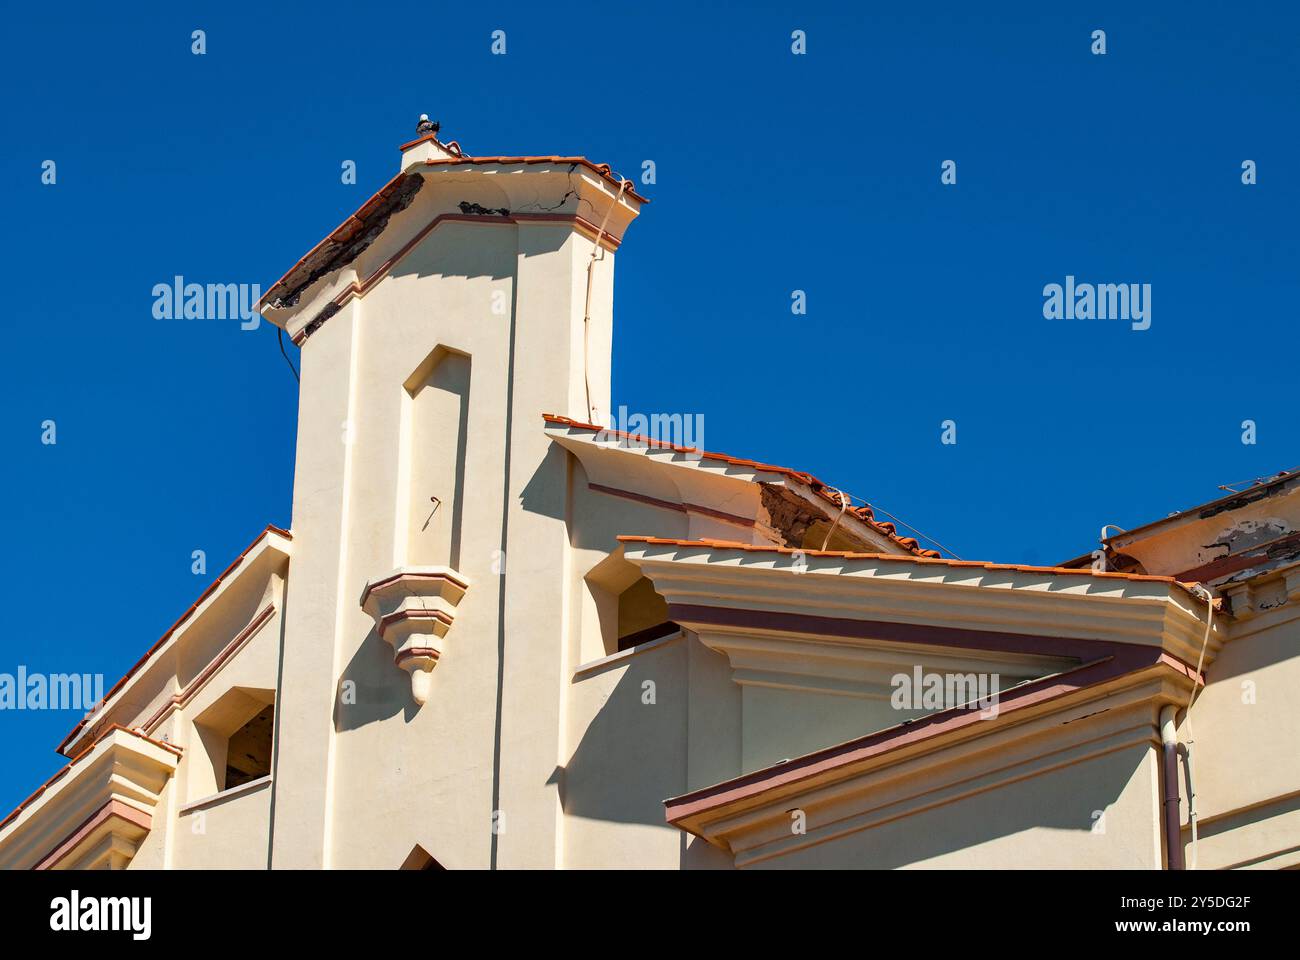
280, 331
902, 523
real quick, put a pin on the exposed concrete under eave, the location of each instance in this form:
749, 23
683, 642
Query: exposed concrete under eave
781, 507
347, 242
1191, 543
1230, 541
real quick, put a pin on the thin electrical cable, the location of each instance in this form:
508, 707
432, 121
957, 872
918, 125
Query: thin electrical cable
844, 506
902, 523
292, 368
596, 251
1187, 714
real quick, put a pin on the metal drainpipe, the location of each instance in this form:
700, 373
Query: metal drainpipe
1173, 828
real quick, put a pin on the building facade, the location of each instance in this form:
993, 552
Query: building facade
501, 634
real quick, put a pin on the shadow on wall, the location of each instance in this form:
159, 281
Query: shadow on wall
372, 687
632, 754
449, 256
547, 488
1067, 799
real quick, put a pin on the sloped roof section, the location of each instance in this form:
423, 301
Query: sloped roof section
864, 513
346, 241
184, 618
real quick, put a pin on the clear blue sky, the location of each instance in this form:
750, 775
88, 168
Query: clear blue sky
775, 173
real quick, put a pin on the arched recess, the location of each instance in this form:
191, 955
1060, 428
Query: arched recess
435, 419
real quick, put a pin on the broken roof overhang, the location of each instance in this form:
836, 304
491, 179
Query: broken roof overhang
359, 230
611, 455
345, 242
272, 545
1286, 482
1283, 484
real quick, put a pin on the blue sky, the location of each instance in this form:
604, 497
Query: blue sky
775, 173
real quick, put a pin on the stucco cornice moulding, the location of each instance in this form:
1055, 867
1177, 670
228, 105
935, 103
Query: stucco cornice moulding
1264, 601
899, 590
899, 772
112, 788
413, 609
581, 193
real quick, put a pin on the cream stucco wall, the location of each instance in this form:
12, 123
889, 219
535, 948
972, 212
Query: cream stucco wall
540, 745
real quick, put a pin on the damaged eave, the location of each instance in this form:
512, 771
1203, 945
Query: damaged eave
346, 243
1282, 485
785, 506
802, 515
1248, 563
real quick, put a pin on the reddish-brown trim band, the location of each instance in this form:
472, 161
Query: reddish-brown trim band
687, 508
392, 618
172, 629
906, 734
355, 288
113, 808
228, 651
412, 652
412, 575
62, 772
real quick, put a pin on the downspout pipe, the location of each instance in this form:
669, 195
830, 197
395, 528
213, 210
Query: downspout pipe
1169, 752
1185, 751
